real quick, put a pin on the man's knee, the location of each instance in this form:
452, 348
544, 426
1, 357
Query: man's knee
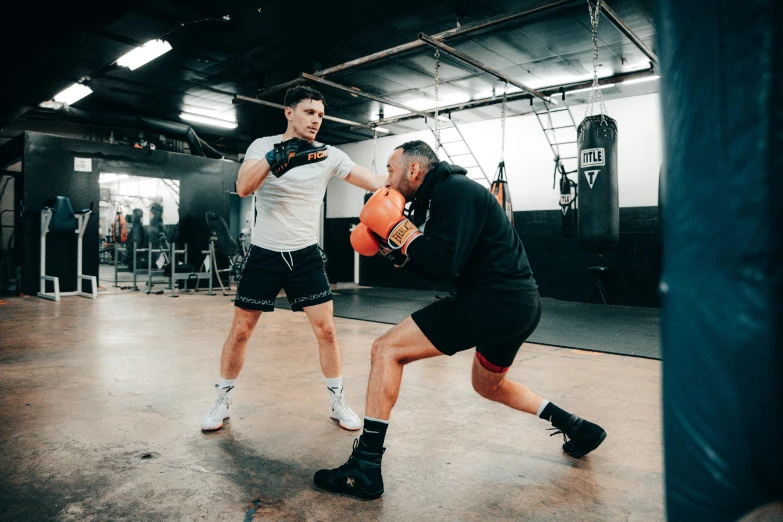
487, 388
326, 332
241, 333
383, 351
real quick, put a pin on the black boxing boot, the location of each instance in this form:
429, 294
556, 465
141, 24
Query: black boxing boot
581, 436
359, 477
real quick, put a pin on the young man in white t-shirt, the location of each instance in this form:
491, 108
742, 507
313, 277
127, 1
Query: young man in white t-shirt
284, 251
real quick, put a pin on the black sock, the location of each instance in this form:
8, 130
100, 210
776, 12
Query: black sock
555, 415
373, 435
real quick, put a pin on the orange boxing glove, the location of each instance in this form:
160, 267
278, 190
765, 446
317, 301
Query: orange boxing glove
383, 214
363, 241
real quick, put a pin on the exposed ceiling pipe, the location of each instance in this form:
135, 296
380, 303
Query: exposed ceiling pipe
198, 147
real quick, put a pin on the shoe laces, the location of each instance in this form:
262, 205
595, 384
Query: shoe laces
569, 427
355, 446
340, 407
222, 398
558, 432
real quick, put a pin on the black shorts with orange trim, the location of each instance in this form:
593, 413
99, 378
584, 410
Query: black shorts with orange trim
495, 323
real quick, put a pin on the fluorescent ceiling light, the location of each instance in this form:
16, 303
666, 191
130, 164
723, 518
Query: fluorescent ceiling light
605, 86
640, 80
211, 113
106, 177
73, 94
51, 104
144, 54
382, 130
208, 121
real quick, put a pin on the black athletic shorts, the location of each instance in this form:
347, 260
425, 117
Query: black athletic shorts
301, 273
496, 324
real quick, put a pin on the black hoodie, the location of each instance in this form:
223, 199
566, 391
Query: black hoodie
467, 237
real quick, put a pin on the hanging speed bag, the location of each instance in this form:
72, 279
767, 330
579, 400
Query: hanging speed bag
500, 190
567, 207
599, 209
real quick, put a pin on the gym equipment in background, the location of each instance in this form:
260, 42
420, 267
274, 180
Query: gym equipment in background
61, 218
568, 199
599, 208
234, 250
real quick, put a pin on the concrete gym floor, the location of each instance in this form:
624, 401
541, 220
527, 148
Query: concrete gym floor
101, 403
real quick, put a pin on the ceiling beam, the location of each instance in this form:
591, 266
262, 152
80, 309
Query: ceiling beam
527, 12
483, 67
370, 127
357, 92
623, 28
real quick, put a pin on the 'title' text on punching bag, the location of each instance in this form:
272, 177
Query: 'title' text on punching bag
500, 190
599, 209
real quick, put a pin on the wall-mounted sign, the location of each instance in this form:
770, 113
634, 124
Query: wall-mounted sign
82, 164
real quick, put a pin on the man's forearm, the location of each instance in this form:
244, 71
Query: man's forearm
381, 180
252, 175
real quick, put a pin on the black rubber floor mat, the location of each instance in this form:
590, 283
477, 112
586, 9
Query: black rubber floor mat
623, 330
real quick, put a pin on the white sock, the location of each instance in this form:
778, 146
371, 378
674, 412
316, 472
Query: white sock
541, 407
225, 386
335, 387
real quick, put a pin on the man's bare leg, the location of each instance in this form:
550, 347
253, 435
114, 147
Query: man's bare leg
399, 346
321, 318
581, 436
495, 387
233, 357
361, 476
231, 361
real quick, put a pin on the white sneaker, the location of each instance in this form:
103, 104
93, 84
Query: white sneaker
214, 418
341, 412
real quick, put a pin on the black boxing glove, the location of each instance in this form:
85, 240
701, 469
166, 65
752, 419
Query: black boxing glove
294, 152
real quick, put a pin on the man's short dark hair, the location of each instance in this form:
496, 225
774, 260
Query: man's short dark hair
420, 152
301, 92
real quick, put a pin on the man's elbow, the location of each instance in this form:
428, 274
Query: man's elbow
242, 190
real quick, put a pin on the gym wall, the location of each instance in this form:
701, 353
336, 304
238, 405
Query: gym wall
48, 171
559, 266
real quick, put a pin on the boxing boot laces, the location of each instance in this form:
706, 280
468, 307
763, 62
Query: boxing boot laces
580, 436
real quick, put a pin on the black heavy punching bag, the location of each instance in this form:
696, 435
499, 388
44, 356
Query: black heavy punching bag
567, 207
599, 209
500, 190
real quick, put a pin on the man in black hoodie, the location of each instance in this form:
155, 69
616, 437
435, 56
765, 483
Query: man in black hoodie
458, 232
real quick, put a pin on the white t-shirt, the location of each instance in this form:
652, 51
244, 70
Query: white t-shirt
289, 206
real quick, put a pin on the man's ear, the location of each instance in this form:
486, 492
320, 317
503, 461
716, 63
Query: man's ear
417, 174
289, 113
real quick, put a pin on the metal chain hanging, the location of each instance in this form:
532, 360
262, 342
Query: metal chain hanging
437, 120
503, 124
595, 91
